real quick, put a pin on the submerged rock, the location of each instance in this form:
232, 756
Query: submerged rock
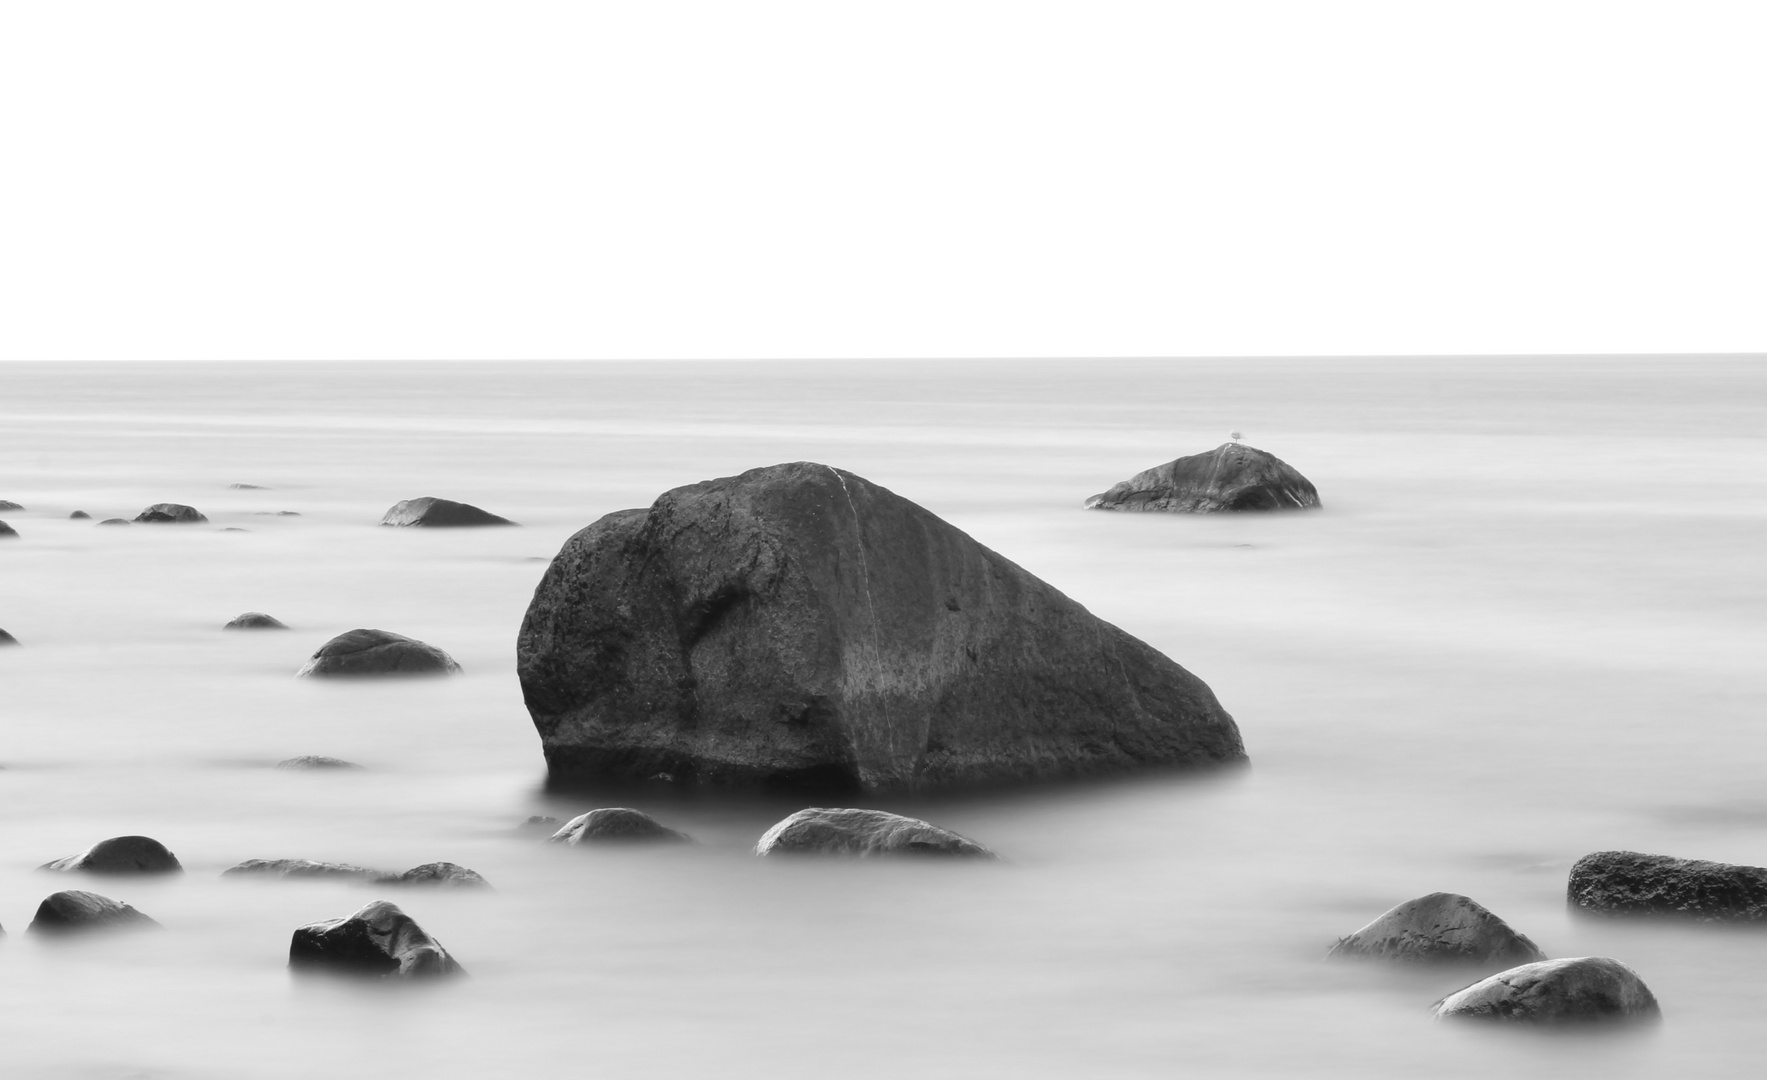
303, 869
316, 761
378, 941
79, 515
1440, 927
540, 822
1230, 477
171, 513
1576, 990
378, 652
1631, 883
614, 824
798, 626
75, 911
248, 487
7, 531
114, 521
121, 855
255, 620
821, 831
433, 512
443, 874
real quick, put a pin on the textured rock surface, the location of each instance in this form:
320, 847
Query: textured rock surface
303, 869
74, 911
433, 512
1440, 927
171, 513
121, 855
823, 831
255, 620
442, 874
799, 626
378, 652
316, 761
1576, 990
614, 824
377, 941
1631, 883
1230, 477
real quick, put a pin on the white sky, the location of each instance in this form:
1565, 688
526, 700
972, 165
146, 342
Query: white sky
762, 179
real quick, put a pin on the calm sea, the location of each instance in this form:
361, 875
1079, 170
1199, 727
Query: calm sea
1527, 625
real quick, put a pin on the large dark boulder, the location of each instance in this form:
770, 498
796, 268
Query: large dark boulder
378, 941
1440, 927
1631, 883
303, 870
378, 652
823, 831
800, 626
74, 911
1576, 990
171, 513
121, 855
1230, 477
433, 512
614, 825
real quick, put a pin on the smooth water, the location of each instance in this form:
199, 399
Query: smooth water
1527, 625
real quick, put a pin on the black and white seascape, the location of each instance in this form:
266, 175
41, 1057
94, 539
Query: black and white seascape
1519, 627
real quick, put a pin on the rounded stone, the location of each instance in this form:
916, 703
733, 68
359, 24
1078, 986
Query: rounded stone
376, 941
431, 512
171, 514
121, 855
615, 824
1575, 990
75, 911
377, 652
826, 831
1440, 927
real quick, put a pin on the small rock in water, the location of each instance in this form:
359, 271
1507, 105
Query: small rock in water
235, 528
121, 855
171, 513
114, 521
614, 824
1576, 990
316, 761
538, 822
1232, 476
7, 530
1632, 883
255, 620
275, 513
1440, 927
378, 941
378, 652
75, 911
442, 874
822, 831
7, 639
8, 504
79, 515
305, 869
248, 487
433, 512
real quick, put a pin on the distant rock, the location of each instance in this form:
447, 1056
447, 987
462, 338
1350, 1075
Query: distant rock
7, 504
75, 911
434, 512
615, 824
303, 869
79, 515
114, 521
316, 761
441, 874
378, 652
275, 513
7, 530
1230, 477
1440, 927
171, 513
539, 823
248, 487
234, 528
121, 855
1631, 883
820, 831
1576, 990
378, 941
800, 627
7, 639
255, 620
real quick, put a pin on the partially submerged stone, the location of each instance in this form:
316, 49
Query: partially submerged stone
316, 761
74, 911
171, 514
302, 869
114, 521
121, 855
1576, 990
255, 620
1440, 927
7, 531
378, 652
826, 831
79, 515
377, 941
7, 639
1632, 883
432, 512
248, 487
440, 874
8, 504
1232, 476
614, 824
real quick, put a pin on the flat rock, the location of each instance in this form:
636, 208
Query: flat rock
822, 831
435, 513
171, 513
1230, 477
377, 941
441, 874
316, 761
79, 515
121, 855
74, 911
255, 620
7, 530
114, 521
800, 627
617, 825
1575, 990
1440, 927
303, 869
378, 652
1631, 883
